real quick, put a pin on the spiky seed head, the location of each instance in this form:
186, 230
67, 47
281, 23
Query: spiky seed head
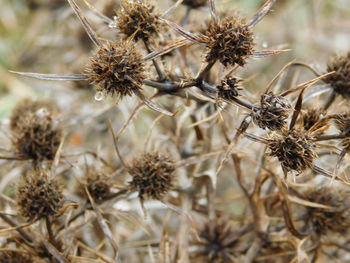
310, 117
39, 195
217, 243
25, 109
272, 113
117, 69
230, 41
99, 186
340, 80
152, 175
37, 136
15, 256
294, 150
195, 3
229, 88
137, 20
323, 220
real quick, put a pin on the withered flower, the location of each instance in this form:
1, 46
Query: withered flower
39, 195
25, 109
340, 80
37, 136
15, 256
295, 150
137, 20
229, 40
272, 113
333, 219
117, 69
152, 175
229, 88
310, 117
99, 186
217, 243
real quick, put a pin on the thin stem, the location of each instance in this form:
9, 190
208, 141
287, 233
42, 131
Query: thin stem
329, 137
52, 238
204, 72
27, 239
160, 73
186, 16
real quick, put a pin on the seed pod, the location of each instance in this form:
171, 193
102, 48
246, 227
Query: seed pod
24, 111
152, 175
117, 69
37, 136
195, 3
340, 80
137, 20
39, 195
216, 243
294, 150
272, 113
324, 220
230, 41
98, 186
15, 256
228, 89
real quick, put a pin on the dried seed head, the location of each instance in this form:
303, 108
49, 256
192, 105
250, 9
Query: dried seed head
39, 195
340, 80
117, 69
294, 150
217, 243
324, 220
137, 20
310, 117
272, 113
15, 256
229, 89
25, 109
195, 3
99, 186
229, 41
152, 175
37, 136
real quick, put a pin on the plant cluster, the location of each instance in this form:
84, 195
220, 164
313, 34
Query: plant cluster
207, 168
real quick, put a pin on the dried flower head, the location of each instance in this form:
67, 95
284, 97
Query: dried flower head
340, 80
195, 3
25, 109
294, 150
152, 175
323, 220
228, 88
15, 256
39, 195
310, 117
117, 69
272, 113
217, 243
230, 41
38, 136
137, 20
99, 186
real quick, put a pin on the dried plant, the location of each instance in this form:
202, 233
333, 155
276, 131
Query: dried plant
238, 160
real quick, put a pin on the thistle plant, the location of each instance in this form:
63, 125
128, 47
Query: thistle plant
190, 134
